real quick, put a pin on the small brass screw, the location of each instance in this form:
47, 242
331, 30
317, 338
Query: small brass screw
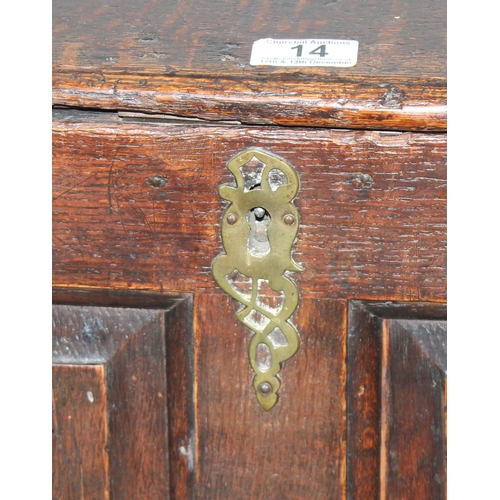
231, 218
289, 219
265, 388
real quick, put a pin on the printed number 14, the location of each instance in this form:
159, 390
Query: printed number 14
321, 50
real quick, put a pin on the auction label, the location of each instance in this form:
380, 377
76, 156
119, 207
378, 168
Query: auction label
304, 52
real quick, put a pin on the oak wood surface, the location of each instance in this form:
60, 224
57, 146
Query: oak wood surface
396, 400
192, 59
138, 419
136, 217
179, 343
144, 412
414, 416
80, 433
113, 227
294, 451
363, 404
226, 446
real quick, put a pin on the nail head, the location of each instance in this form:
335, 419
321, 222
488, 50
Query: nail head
157, 181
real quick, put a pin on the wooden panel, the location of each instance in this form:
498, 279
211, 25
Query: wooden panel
80, 433
395, 400
180, 398
113, 228
132, 345
363, 404
414, 408
138, 421
294, 451
134, 299
90, 335
168, 58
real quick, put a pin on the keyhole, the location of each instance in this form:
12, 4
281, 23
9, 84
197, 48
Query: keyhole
258, 243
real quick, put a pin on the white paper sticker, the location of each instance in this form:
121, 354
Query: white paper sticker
304, 52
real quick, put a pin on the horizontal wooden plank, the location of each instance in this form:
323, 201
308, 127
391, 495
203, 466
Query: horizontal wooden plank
358, 104
115, 298
192, 59
115, 227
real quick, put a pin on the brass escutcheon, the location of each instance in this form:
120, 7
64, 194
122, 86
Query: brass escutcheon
258, 230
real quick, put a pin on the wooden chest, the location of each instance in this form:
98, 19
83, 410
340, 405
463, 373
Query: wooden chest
153, 389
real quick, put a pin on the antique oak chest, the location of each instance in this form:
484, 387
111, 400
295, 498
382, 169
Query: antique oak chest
249, 259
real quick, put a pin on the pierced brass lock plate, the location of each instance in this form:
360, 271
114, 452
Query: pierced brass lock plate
258, 230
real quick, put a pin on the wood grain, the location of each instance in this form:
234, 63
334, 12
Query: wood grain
113, 229
157, 97
138, 419
415, 450
181, 400
395, 401
80, 433
295, 451
192, 59
96, 297
363, 403
146, 413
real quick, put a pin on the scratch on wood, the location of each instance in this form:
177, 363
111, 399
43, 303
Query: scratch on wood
74, 186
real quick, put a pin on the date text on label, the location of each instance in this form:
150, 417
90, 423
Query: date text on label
304, 52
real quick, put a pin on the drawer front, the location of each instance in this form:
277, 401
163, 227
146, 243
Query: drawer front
116, 224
